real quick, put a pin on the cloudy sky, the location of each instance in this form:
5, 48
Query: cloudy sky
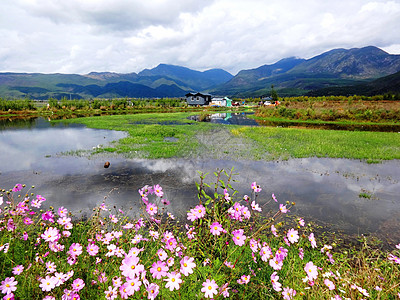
80, 36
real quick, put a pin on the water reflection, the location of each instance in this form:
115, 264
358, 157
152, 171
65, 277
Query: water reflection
30, 149
244, 120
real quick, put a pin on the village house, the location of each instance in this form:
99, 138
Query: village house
219, 101
198, 99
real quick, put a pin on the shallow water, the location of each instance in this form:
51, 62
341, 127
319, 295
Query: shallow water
325, 190
244, 120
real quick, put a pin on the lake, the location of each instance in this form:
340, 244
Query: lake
344, 195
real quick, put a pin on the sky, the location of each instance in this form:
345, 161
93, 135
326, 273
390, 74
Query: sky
124, 36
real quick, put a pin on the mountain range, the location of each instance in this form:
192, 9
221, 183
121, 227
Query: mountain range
365, 70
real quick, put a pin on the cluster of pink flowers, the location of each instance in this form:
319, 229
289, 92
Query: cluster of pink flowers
196, 213
169, 263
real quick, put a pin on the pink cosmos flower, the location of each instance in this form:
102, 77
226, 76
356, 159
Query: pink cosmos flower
329, 284
244, 279
48, 216
187, 265
133, 285
199, 211
51, 234
288, 293
301, 253
130, 267
8, 285
18, 270
78, 284
301, 222
255, 206
223, 290
113, 219
394, 258
273, 197
293, 236
173, 281
162, 255
398, 246
62, 212
17, 187
275, 284
158, 191
312, 240
254, 245
209, 288
283, 208
75, 250
159, 269
238, 237
151, 209
273, 230
311, 270
51, 267
111, 293
28, 221
256, 188
216, 228
92, 249
153, 290
48, 283
275, 263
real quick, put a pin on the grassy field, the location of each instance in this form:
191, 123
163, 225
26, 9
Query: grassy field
164, 135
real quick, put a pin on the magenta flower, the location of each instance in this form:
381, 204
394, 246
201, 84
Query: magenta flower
238, 237
301, 253
245, 279
293, 236
275, 284
288, 293
187, 265
8, 285
311, 270
152, 290
329, 284
254, 245
209, 288
75, 250
216, 228
255, 206
256, 188
159, 269
273, 197
51, 234
78, 284
265, 253
173, 281
62, 212
199, 211
130, 267
18, 270
283, 208
17, 187
151, 209
312, 240
276, 263
92, 249
158, 191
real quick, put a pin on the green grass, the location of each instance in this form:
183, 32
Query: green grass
147, 135
299, 143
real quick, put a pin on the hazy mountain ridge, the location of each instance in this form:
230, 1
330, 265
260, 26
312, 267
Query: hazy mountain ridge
327, 72
337, 67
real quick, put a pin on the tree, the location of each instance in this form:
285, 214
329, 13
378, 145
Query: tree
274, 94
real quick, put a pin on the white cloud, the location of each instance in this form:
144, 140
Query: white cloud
127, 36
